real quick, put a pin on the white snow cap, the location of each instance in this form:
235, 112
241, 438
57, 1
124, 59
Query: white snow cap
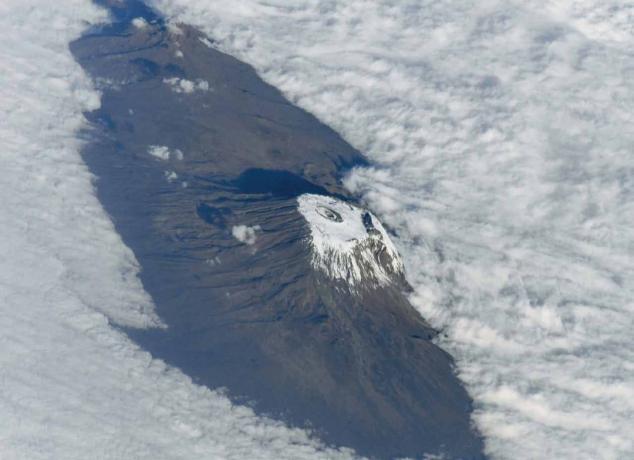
348, 242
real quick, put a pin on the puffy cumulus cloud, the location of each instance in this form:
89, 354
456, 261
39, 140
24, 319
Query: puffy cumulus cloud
245, 234
502, 139
182, 85
164, 153
139, 23
171, 176
71, 385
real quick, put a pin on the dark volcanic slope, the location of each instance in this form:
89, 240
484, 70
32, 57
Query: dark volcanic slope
258, 319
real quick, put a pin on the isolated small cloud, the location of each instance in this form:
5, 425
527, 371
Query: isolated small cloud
139, 23
245, 234
213, 261
164, 153
159, 151
171, 176
182, 85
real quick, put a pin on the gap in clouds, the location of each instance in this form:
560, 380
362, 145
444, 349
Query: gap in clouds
501, 135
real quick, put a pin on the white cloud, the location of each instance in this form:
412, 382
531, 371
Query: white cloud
182, 85
502, 138
71, 385
164, 153
159, 151
139, 23
213, 261
171, 176
174, 29
245, 234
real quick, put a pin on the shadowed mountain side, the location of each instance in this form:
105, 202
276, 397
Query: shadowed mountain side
255, 317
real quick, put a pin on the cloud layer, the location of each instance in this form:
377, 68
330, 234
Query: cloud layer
71, 385
502, 139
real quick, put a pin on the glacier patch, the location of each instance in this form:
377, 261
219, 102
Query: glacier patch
349, 243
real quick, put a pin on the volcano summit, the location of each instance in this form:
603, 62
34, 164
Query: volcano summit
349, 243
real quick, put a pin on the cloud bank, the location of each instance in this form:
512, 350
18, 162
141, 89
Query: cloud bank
502, 139
71, 385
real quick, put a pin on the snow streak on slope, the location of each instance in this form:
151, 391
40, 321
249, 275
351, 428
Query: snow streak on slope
71, 386
502, 137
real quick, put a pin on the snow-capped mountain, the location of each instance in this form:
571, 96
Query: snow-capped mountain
349, 243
